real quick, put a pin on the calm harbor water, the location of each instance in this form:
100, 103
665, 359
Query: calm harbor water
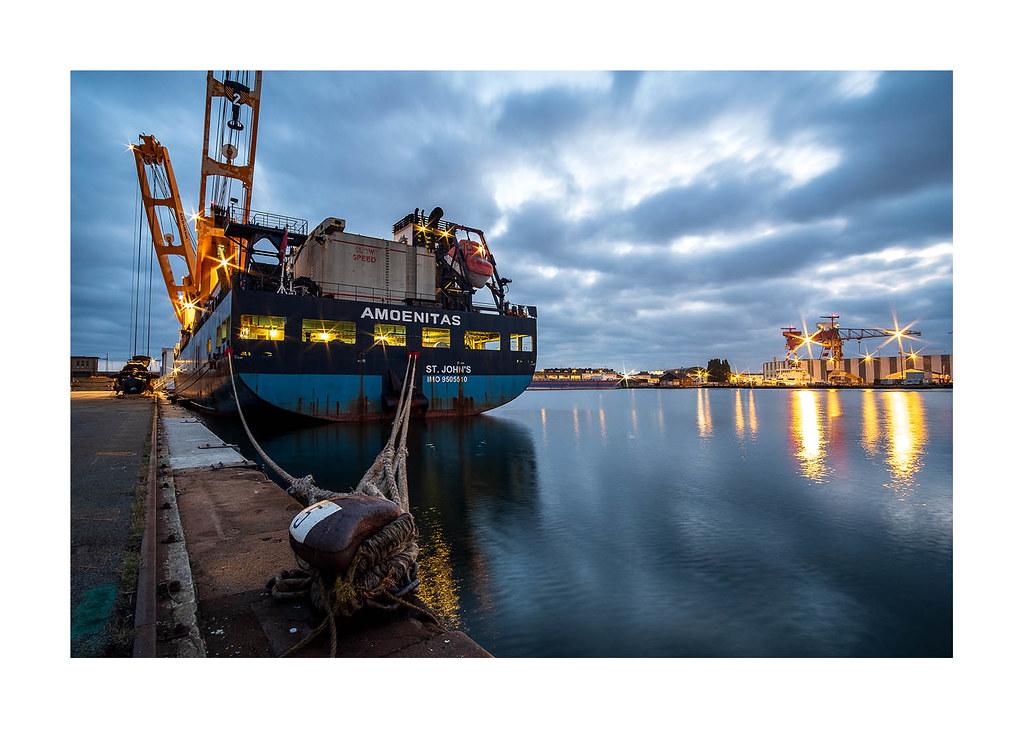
675, 522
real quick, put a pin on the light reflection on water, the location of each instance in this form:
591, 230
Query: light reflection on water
814, 439
808, 437
438, 587
907, 435
740, 422
605, 523
704, 424
869, 439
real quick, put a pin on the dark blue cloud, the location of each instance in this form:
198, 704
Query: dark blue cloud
655, 218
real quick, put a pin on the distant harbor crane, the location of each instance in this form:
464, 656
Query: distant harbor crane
830, 337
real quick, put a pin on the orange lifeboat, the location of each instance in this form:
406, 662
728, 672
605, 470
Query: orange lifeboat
477, 269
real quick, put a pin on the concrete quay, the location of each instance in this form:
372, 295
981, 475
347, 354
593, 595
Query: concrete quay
223, 533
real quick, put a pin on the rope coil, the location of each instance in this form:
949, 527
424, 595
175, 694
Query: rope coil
384, 562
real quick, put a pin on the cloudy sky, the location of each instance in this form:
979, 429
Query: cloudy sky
655, 219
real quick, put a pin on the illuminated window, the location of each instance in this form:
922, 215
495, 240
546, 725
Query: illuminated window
261, 327
437, 338
483, 340
389, 334
209, 345
327, 330
520, 342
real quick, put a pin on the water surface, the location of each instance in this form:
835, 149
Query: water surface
711, 522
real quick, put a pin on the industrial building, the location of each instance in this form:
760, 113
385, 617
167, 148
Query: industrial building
919, 368
585, 374
84, 366
746, 378
571, 378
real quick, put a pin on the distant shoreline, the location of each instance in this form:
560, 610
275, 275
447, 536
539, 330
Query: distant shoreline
724, 386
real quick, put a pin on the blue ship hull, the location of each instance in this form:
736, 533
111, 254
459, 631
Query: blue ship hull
357, 380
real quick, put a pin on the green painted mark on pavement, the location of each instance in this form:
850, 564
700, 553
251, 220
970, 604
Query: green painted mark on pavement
94, 610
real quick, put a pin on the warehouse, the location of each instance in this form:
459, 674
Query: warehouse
867, 370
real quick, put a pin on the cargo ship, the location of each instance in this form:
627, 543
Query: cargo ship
320, 323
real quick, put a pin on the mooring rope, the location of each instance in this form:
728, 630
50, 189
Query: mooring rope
387, 477
280, 472
385, 560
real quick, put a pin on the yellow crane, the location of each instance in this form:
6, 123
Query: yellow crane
228, 157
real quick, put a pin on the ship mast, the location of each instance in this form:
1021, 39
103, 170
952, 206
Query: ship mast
228, 158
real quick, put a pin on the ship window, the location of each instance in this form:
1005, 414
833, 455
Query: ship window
520, 342
393, 334
261, 327
328, 330
437, 338
483, 340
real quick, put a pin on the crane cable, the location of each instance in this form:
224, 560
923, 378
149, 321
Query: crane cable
149, 303
137, 234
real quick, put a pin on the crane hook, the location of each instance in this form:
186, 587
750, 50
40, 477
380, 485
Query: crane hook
234, 123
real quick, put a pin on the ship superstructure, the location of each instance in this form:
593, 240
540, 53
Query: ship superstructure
320, 322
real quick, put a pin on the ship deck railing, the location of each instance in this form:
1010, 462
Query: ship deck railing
353, 292
365, 293
261, 219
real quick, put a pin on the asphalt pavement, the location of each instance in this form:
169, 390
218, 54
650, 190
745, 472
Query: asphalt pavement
108, 440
